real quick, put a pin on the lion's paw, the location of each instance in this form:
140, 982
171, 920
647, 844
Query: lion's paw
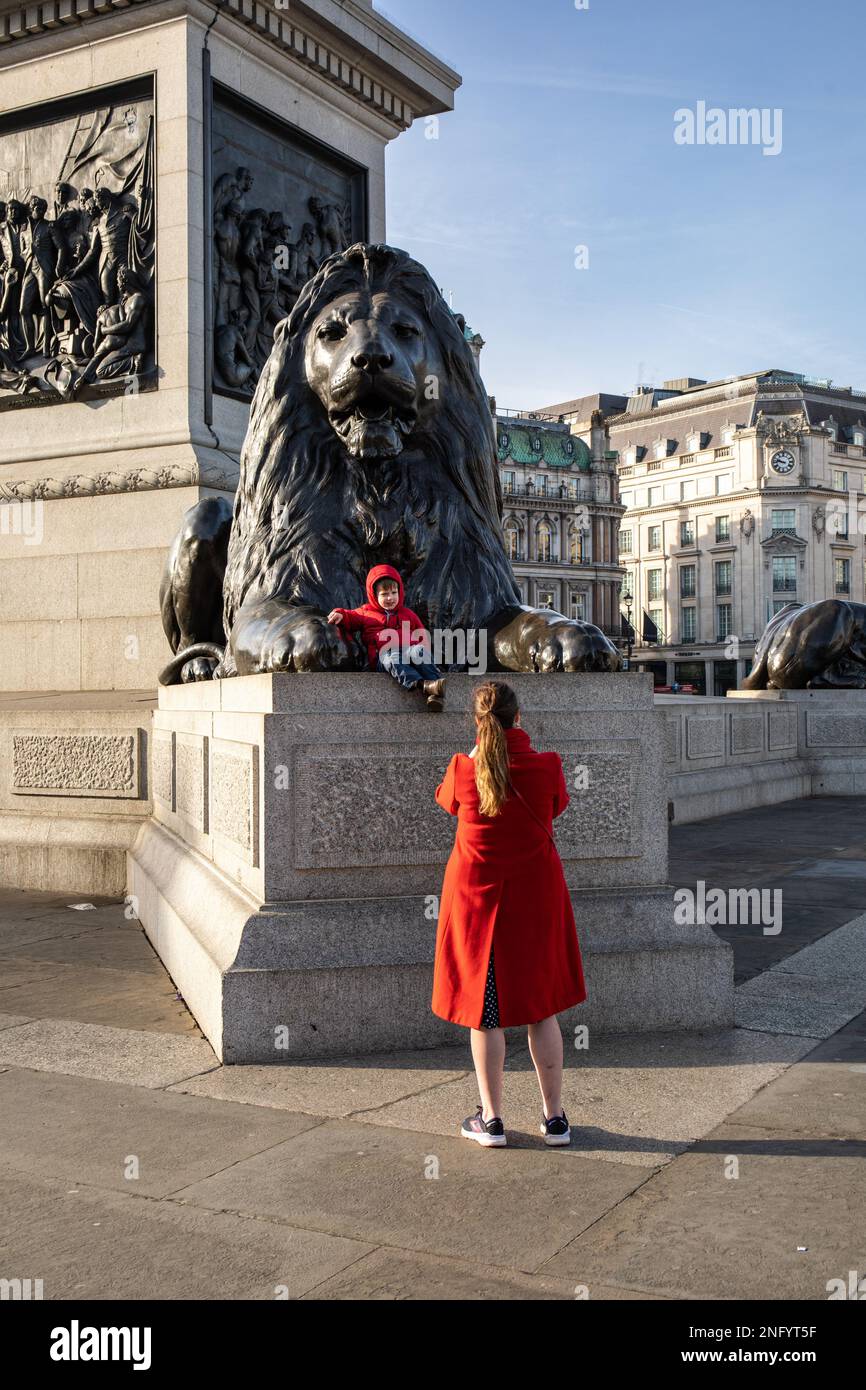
569, 645
305, 642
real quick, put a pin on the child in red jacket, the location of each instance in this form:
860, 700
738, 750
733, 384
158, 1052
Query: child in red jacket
394, 636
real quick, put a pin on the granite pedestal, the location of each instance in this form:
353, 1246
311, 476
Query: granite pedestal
290, 873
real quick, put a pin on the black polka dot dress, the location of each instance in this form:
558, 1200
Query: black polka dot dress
490, 1014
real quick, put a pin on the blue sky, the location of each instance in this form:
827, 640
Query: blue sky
704, 260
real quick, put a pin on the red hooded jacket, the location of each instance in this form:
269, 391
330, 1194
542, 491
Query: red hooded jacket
375, 624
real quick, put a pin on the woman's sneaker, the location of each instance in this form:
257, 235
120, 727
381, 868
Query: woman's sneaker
490, 1133
556, 1131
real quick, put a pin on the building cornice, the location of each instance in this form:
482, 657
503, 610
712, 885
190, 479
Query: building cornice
359, 62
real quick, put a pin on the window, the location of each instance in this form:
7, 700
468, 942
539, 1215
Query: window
728, 434
512, 541
784, 574
575, 546
577, 606
661, 449
723, 529
688, 626
544, 543
783, 519
655, 496
724, 483
842, 572
654, 584
723, 576
687, 581
859, 437
509, 482
627, 500
572, 487
655, 538
840, 480
779, 604
687, 533
656, 617
723, 621
693, 442
541, 483
545, 598
688, 489
625, 542
631, 457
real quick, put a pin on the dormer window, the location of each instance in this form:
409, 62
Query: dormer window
693, 442
728, 433
536, 445
631, 456
832, 428
569, 447
504, 440
858, 435
661, 448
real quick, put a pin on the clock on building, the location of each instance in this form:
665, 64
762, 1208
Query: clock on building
782, 461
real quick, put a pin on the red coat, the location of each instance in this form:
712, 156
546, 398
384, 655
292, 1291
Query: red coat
504, 880
375, 623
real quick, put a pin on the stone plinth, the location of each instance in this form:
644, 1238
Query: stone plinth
757, 747
93, 490
290, 873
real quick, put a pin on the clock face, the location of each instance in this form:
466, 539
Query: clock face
782, 461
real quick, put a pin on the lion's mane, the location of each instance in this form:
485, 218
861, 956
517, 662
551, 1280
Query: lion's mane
436, 508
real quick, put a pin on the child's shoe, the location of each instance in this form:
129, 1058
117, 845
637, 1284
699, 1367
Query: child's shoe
556, 1131
435, 693
489, 1133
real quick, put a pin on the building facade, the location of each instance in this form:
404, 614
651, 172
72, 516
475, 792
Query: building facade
741, 496
561, 515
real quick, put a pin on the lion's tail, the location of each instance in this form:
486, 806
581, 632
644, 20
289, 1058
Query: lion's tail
170, 674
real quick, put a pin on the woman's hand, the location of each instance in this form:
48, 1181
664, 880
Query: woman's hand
335, 616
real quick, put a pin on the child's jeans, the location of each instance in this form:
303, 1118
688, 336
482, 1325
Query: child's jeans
409, 673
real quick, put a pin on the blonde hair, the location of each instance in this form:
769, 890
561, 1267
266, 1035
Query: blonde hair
494, 706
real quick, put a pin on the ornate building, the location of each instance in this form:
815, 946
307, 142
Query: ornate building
741, 496
561, 514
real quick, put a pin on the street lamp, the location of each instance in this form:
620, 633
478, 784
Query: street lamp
628, 599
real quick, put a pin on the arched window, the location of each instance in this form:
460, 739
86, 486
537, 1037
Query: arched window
544, 542
512, 540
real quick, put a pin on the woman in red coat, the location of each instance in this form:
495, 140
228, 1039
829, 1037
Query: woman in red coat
504, 884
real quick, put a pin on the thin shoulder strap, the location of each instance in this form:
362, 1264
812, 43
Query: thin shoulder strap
534, 815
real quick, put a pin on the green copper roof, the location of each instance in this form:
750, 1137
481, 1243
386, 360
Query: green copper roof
547, 448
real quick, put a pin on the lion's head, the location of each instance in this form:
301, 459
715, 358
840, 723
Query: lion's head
371, 441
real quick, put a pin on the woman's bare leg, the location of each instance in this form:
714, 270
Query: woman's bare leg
488, 1054
545, 1049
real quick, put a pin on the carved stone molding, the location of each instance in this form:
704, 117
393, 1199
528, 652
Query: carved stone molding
132, 480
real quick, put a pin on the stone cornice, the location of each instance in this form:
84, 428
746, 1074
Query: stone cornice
397, 96
113, 480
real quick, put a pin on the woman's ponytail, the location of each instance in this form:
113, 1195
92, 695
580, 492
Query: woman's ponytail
495, 707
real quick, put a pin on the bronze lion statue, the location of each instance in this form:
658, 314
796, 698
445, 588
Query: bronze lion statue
812, 646
370, 442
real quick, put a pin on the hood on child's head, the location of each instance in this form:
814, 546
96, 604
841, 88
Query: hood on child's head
383, 572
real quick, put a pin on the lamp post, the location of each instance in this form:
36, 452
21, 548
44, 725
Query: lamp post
628, 599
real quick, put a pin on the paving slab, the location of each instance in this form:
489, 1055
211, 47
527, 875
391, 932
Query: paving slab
636, 1099
396, 1274
825, 1094
690, 1231
106, 1054
129, 1138
13, 1020
807, 1006
88, 1244
335, 1088
512, 1208
128, 998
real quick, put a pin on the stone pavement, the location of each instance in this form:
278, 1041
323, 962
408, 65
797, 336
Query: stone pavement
133, 1166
